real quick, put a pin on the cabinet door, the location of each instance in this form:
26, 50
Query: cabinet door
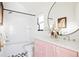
78, 54
50, 50
62, 52
43, 49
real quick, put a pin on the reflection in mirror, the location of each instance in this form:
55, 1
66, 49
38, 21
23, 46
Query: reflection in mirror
64, 17
61, 22
40, 22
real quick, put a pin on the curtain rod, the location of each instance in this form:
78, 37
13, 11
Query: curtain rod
19, 12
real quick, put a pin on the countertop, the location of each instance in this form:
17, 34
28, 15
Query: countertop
69, 44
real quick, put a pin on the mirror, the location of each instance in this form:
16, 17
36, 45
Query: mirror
63, 18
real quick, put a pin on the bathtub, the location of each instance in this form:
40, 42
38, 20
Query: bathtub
17, 50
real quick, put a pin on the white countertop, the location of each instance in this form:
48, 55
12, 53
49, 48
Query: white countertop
69, 44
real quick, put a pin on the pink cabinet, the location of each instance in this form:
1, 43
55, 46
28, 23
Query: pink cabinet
63, 52
78, 54
43, 49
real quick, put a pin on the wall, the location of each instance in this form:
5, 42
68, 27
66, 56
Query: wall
76, 20
77, 13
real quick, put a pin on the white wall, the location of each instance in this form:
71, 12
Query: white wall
76, 20
18, 27
77, 13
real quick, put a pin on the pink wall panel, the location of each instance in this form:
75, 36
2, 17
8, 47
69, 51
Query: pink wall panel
62, 52
44, 49
50, 51
39, 48
78, 54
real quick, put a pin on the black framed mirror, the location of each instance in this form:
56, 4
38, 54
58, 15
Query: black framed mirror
67, 13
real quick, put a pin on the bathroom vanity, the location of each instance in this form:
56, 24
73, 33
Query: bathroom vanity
48, 47
63, 25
